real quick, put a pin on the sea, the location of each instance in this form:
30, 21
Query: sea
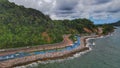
105, 53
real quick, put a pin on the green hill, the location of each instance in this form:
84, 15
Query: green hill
20, 26
116, 23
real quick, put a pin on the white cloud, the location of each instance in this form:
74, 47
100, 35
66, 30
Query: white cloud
70, 9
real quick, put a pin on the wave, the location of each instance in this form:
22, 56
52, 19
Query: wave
35, 64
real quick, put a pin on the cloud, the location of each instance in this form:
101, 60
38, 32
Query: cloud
101, 1
66, 4
71, 9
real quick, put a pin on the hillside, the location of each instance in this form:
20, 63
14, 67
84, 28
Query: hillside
116, 23
20, 26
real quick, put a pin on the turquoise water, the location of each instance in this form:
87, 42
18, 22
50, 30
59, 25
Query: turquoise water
105, 54
23, 54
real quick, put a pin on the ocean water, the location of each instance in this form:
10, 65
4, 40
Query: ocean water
105, 54
23, 54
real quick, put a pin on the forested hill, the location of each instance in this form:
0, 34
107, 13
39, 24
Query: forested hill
20, 26
9, 12
116, 24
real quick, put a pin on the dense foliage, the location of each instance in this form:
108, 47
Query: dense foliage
106, 28
21, 26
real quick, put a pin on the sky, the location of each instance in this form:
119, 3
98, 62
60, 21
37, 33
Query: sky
98, 11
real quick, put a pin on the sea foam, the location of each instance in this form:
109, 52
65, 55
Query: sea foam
60, 60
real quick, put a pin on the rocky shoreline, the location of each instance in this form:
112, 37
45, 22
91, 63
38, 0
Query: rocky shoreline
48, 56
66, 42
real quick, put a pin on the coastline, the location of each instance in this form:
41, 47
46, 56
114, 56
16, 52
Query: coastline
59, 59
56, 55
66, 42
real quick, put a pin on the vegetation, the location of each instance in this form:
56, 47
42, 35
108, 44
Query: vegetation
116, 23
21, 27
106, 28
